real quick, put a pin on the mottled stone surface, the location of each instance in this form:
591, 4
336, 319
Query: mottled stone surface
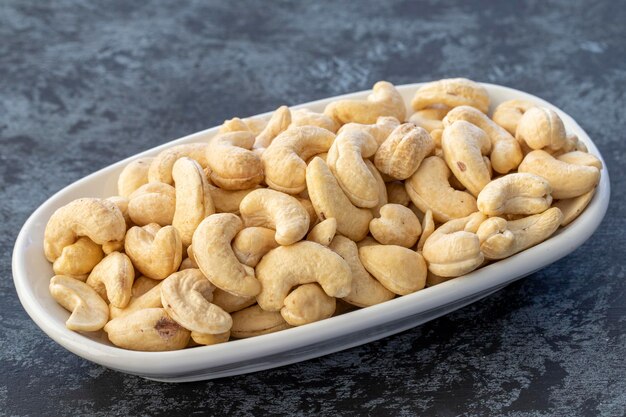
84, 84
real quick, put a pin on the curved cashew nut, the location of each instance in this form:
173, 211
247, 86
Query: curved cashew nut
428, 227
233, 125
397, 225
324, 232
301, 263
506, 153
396, 193
382, 188
399, 269
154, 202
307, 304
231, 303
150, 299
306, 117
429, 189
571, 208
430, 118
580, 158
508, 113
233, 165
517, 193
161, 167
463, 146
454, 249
401, 154
186, 296
275, 210
252, 243
156, 252
284, 160
567, 180
133, 176
384, 100
254, 321
89, 310
278, 123
98, 219
329, 200
79, 258
215, 257
113, 279
541, 128
365, 290
193, 198
451, 92
150, 329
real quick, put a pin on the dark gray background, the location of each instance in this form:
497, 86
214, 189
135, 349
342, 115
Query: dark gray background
84, 85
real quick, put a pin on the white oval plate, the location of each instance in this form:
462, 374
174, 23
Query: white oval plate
31, 273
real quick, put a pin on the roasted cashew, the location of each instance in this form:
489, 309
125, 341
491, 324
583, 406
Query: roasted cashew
215, 257
150, 299
284, 160
517, 193
133, 176
161, 167
401, 270
509, 113
79, 258
324, 232
301, 263
329, 200
541, 128
306, 117
193, 198
571, 208
567, 180
430, 118
278, 123
397, 194
252, 243
98, 219
384, 100
580, 158
89, 310
113, 279
233, 165
430, 189
454, 249
307, 304
397, 225
150, 329
428, 227
365, 290
254, 321
463, 146
451, 92
154, 202
275, 210
155, 251
402, 152
506, 153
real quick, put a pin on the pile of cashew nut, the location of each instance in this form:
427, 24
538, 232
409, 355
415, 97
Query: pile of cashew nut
283, 221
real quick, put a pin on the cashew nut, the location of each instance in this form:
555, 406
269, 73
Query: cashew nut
509, 113
306, 117
541, 128
254, 321
571, 208
278, 123
133, 176
301, 263
252, 243
324, 232
580, 158
142, 285
256, 124
382, 188
113, 279
307, 304
161, 167
227, 201
154, 202
384, 100
402, 152
430, 118
89, 310
233, 125
155, 251
231, 303
517, 193
233, 165
150, 299
397, 225
210, 339
451, 92
399, 269
79, 258
397, 194
428, 227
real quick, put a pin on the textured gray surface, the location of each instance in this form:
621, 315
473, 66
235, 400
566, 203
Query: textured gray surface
84, 85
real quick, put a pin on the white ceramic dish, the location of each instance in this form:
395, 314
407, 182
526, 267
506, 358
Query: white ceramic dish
31, 272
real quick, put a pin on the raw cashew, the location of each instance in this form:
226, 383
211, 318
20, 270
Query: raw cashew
310, 210
252, 243
161, 167
573, 207
509, 113
193, 199
384, 100
399, 269
324, 232
133, 176
150, 329
567, 180
463, 146
98, 219
89, 310
215, 257
113, 279
397, 194
329, 201
580, 158
451, 92
278, 123
402, 152
233, 165
382, 188
156, 252
231, 303
517, 193
150, 299
227, 201
430, 189
142, 285
500, 239
454, 249
365, 290
275, 210
428, 227
397, 225
186, 296
254, 321
256, 124
307, 304
154, 202
430, 118
506, 153
541, 128
301, 263
79, 258
284, 160
306, 117
210, 339
233, 125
